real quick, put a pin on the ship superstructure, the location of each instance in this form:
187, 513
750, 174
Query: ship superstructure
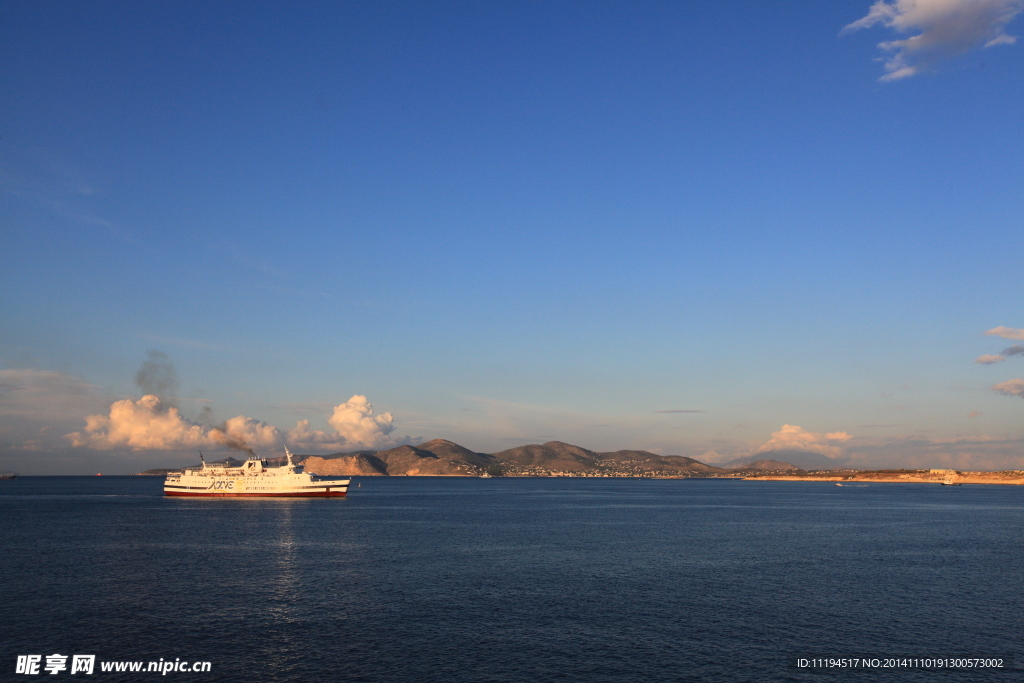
254, 477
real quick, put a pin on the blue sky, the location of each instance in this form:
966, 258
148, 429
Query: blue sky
505, 223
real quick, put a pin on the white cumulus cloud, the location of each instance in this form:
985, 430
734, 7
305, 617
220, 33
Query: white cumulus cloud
794, 438
147, 424
357, 425
989, 359
140, 425
941, 28
150, 424
305, 438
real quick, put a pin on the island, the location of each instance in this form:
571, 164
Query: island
443, 458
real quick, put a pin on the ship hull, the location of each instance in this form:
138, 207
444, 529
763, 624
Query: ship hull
313, 494
240, 488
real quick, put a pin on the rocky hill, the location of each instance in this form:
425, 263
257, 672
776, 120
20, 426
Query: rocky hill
345, 464
555, 458
413, 461
670, 464
443, 448
434, 458
552, 456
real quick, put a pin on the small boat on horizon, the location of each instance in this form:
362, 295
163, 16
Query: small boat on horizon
8, 475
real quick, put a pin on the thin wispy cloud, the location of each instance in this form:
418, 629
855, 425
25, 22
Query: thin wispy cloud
182, 342
1015, 350
962, 452
942, 29
1011, 387
494, 423
58, 188
527, 440
306, 407
42, 395
878, 426
1006, 333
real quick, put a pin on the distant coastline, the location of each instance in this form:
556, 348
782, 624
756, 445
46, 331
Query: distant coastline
557, 459
932, 476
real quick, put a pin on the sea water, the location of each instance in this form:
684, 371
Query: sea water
512, 579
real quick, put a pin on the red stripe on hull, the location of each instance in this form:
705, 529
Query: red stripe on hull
331, 494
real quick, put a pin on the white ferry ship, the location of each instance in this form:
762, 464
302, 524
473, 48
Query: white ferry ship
253, 478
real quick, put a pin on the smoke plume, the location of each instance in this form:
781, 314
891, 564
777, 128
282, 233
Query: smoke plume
244, 433
231, 442
156, 376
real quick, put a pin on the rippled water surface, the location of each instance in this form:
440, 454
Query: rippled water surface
443, 579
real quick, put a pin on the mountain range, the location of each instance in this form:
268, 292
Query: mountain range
441, 457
